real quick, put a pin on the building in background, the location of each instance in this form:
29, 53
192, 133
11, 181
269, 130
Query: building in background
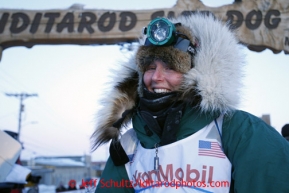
58, 170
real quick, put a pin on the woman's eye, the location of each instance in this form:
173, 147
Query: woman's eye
151, 67
169, 68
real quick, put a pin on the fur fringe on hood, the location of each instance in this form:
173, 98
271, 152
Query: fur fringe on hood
215, 77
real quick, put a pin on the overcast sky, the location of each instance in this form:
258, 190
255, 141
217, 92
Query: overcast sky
70, 79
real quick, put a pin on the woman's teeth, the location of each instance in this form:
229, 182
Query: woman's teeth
161, 90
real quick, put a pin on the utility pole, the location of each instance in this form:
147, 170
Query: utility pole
22, 96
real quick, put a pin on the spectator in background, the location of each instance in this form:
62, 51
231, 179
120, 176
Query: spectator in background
61, 188
285, 131
72, 185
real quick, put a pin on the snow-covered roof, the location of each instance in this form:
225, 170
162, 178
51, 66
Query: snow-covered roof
58, 162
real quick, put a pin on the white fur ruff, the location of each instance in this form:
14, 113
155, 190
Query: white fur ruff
218, 64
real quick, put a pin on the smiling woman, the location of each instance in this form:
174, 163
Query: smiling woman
69, 80
186, 125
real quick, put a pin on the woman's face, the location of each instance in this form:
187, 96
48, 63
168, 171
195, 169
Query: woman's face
160, 78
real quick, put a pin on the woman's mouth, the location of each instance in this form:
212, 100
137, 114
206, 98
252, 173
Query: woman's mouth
161, 90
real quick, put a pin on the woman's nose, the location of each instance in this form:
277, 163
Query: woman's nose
157, 75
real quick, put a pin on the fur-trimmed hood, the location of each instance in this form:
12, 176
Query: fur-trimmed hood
215, 77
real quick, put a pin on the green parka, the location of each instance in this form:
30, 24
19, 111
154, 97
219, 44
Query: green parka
258, 153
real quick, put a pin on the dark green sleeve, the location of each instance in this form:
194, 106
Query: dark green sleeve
114, 179
258, 153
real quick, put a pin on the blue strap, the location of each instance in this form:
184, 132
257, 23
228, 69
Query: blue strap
219, 131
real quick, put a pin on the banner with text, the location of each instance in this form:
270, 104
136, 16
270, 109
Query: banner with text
260, 24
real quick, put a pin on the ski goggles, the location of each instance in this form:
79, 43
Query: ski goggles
162, 32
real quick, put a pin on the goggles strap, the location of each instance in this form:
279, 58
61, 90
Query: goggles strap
182, 44
185, 45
